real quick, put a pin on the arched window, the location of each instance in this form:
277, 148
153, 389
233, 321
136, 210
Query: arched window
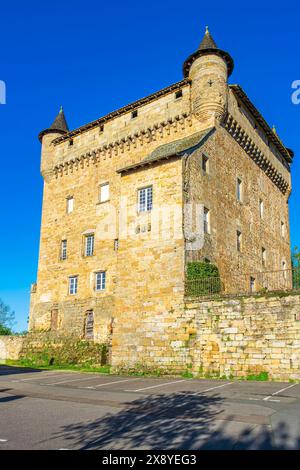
89, 325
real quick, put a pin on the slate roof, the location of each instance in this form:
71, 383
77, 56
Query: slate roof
208, 46
59, 125
176, 148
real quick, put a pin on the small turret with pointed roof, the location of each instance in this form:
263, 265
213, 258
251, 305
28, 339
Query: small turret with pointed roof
207, 47
59, 125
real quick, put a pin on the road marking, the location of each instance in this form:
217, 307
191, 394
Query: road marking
73, 380
155, 386
40, 377
212, 388
111, 383
3, 440
279, 391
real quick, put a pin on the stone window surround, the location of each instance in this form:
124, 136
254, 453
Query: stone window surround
146, 199
106, 183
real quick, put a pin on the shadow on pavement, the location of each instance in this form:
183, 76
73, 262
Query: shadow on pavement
10, 370
177, 421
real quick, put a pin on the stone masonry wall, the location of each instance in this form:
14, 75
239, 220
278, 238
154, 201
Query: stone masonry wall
227, 337
10, 347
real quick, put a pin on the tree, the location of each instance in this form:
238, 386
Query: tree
7, 319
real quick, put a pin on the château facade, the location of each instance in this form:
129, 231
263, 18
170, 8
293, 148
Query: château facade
192, 172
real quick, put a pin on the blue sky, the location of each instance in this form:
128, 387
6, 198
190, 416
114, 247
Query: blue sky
93, 57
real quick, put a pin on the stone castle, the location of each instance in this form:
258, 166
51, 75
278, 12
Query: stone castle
190, 173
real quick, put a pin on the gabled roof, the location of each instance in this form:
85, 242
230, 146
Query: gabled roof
173, 149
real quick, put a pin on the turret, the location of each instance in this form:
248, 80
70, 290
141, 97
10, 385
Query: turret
46, 137
209, 69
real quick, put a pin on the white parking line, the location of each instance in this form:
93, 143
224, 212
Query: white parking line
48, 376
155, 386
3, 440
74, 380
212, 388
111, 383
278, 391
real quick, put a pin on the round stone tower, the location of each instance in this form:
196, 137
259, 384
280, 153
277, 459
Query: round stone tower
46, 137
209, 69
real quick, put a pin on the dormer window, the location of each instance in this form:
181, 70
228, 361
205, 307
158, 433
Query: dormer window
178, 94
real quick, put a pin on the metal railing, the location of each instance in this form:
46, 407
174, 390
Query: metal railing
243, 284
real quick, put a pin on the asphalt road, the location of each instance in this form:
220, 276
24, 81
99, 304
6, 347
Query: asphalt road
70, 410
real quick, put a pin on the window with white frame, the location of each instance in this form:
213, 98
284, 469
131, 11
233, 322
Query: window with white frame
63, 250
206, 220
145, 199
73, 285
261, 208
100, 281
70, 204
239, 190
104, 192
89, 244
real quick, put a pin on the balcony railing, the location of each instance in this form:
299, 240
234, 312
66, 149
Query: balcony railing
244, 284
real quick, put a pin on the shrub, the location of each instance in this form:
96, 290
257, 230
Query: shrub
202, 278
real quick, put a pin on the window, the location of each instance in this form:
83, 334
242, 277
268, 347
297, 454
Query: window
252, 284
89, 245
116, 244
282, 229
206, 221
178, 94
104, 192
134, 114
73, 284
238, 240
263, 257
100, 281
239, 188
101, 128
63, 250
261, 208
145, 199
205, 166
284, 269
71, 142
89, 325
70, 204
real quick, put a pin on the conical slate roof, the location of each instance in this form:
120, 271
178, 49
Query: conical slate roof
59, 125
208, 47
207, 41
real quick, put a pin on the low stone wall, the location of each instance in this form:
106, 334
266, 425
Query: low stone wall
227, 337
11, 347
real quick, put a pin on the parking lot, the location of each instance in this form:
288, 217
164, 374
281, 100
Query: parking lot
70, 410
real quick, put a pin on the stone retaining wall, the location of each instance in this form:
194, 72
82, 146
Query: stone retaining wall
11, 347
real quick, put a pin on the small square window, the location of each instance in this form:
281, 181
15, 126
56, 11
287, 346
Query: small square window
100, 281
205, 164
239, 240
252, 284
282, 229
239, 188
101, 128
178, 94
134, 114
104, 192
263, 257
73, 284
71, 142
261, 208
145, 199
70, 205
89, 245
206, 220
